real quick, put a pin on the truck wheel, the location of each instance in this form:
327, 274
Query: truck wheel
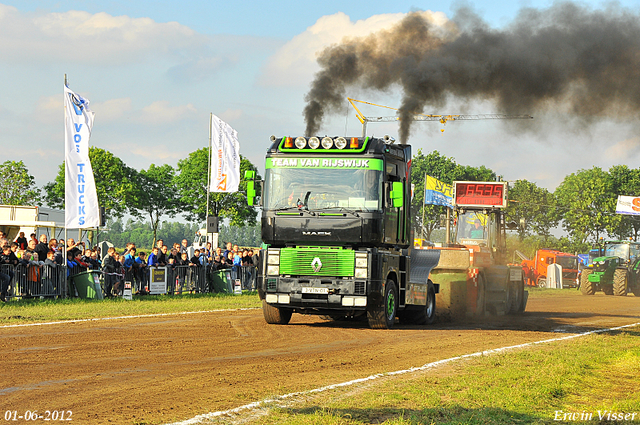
542, 282
384, 316
620, 282
274, 315
586, 287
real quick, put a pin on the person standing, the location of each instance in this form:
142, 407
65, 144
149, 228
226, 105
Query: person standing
21, 240
42, 248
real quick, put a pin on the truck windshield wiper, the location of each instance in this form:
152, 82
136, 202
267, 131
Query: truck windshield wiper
292, 208
347, 210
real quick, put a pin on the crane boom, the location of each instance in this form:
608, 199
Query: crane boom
426, 117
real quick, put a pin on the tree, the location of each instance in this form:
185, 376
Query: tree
586, 202
532, 205
156, 195
115, 183
17, 186
191, 182
626, 182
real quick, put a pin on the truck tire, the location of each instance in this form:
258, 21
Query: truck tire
586, 287
620, 282
384, 316
542, 282
274, 315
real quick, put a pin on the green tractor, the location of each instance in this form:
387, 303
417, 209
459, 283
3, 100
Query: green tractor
615, 272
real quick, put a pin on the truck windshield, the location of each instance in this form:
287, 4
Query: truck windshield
569, 263
326, 188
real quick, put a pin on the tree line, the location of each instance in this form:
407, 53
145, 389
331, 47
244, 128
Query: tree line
583, 204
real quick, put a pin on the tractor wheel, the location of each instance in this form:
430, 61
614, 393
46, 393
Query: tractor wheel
517, 295
480, 300
274, 315
384, 316
586, 287
636, 289
620, 282
542, 282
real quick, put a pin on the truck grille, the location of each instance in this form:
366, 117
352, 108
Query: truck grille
359, 288
330, 262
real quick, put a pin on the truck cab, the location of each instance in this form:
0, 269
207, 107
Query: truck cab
336, 220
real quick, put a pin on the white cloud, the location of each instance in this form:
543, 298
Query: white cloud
161, 112
111, 110
81, 37
295, 63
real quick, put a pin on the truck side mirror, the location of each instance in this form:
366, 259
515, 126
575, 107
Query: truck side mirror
397, 194
250, 175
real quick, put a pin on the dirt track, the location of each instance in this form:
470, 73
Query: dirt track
158, 370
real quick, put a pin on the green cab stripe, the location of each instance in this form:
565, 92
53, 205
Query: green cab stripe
327, 163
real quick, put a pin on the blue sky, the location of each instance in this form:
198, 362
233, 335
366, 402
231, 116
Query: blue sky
155, 70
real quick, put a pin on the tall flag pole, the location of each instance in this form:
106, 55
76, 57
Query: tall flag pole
225, 157
81, 199
209, 167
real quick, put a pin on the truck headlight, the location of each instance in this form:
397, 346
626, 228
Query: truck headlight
361, 273
362, 263
273, 257
273, 270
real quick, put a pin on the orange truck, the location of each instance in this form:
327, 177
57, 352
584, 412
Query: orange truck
535, 270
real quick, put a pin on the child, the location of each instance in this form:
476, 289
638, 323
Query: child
49, 275
109, 267
142, 269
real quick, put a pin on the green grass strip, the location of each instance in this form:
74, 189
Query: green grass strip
36, 310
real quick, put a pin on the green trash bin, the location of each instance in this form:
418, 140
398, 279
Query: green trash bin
222, 281
87, 285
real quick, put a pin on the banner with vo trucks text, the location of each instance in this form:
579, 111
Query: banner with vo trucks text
81, 200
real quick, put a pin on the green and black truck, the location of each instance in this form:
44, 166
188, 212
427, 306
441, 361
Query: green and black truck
615, 271
336, 222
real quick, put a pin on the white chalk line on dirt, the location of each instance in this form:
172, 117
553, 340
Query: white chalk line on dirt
259, 404
137, 316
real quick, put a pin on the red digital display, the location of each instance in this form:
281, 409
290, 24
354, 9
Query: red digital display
480, 194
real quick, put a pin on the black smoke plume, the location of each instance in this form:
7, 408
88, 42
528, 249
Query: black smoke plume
568, 58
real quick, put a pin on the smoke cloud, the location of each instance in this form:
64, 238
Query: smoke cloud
568, 58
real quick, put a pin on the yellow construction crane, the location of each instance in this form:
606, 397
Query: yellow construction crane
426, 117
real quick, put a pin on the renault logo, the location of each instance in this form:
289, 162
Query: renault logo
316, 264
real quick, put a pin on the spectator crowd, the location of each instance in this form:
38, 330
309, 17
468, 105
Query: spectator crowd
44, 257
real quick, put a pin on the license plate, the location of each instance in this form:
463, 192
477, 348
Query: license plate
307, 290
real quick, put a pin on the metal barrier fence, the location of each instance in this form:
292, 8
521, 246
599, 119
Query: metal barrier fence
34, 280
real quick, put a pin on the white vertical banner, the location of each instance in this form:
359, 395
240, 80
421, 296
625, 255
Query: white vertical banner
81, 200
225, 157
